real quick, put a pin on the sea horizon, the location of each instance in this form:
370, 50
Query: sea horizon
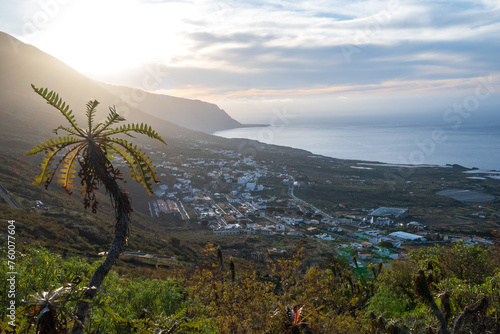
475, 146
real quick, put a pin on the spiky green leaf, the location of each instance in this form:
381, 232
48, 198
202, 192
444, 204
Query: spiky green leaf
91, 110
51, 144
68, 168
54, 100
138, 128
70, 131
47, 173
113, 118
140, 166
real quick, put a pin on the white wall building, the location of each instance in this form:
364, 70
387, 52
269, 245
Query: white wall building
407, 236
280, 228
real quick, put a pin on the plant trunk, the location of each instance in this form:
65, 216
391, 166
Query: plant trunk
105, 174
482, 304
422, 289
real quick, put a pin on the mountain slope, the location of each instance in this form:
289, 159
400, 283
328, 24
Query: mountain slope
192, 114
25, 119
22, 65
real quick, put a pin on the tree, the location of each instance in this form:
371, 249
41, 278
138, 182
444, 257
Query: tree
386, 244
92, 150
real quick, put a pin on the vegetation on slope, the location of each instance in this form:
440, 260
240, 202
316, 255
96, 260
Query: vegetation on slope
452, 290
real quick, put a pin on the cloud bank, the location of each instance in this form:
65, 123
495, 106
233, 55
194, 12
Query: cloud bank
326, 53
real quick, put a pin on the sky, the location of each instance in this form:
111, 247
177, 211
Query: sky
304, 57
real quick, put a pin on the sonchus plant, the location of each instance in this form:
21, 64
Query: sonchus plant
91, 150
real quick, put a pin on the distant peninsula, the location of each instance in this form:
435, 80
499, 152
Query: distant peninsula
191, 114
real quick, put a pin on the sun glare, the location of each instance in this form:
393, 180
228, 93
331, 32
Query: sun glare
100, 38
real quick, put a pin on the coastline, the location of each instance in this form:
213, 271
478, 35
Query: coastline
243, 126
381, 147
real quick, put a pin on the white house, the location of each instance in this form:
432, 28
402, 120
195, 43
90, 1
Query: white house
382, 221
344, 221
394, 256
258, 227
295, 234
373, 233
232, 226
416, 226
334, 229
384, 252
159, 192
268, 232
325, 237
364, 255
374, 240
231, 199
394, 242
407, 236
481, 240
230, 229
244, 179
251, 225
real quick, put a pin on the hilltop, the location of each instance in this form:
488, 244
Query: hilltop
22, 65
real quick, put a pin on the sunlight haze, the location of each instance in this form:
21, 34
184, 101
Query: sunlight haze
326, 54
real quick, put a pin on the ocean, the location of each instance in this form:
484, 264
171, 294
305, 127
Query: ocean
469, 146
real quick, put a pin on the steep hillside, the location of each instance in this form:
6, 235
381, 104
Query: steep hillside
21, 109
191, 114
22, 65
26, 120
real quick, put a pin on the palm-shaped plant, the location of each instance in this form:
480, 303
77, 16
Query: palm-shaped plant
49, 311
91, 149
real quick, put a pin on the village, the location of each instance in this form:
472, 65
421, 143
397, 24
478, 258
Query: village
234, 195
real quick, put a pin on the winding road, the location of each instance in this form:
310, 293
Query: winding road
11, 201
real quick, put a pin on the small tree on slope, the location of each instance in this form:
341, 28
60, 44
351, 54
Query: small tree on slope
91, 149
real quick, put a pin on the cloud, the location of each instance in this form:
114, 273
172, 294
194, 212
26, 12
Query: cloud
278, 49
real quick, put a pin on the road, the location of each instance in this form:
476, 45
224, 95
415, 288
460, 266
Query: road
211, 193
153, 209
11, 201
183, 212
290, 193
217, 207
